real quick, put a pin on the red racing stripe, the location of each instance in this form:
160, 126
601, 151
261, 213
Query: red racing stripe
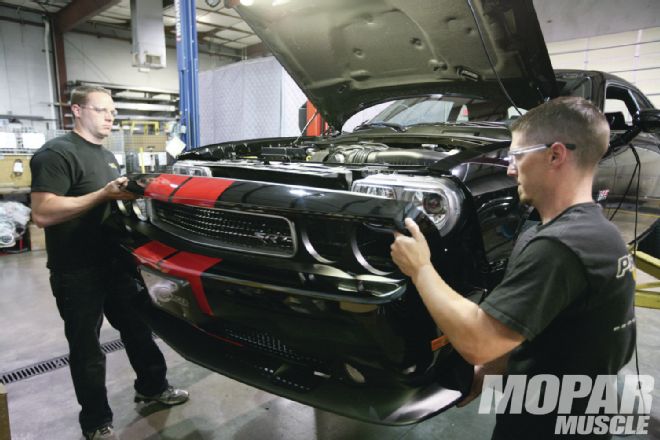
190, 267
162, 186
202, 191
153, 252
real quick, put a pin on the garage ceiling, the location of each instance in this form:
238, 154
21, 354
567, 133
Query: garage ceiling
222, 32
219, 29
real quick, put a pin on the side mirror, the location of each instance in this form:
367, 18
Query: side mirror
644, 120
648, 120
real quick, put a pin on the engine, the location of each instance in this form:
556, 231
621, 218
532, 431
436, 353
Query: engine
365, 154
333, 167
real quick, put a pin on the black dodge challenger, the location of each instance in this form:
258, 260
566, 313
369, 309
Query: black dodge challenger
268, 260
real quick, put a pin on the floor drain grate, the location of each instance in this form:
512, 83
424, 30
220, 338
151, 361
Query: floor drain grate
51, 364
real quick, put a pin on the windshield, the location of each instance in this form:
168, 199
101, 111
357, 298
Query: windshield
437, 109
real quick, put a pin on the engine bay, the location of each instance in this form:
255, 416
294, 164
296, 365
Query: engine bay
325, 166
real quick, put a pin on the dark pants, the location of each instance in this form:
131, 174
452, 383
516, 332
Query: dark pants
83, 296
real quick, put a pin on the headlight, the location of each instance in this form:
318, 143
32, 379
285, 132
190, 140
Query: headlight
191, 168
373, 190
440, 198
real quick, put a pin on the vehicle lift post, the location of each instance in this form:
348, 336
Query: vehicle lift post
188, 66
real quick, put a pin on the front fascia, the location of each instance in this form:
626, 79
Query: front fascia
222, 298
304, 214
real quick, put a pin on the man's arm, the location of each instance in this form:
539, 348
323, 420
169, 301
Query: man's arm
50, 209
477, 336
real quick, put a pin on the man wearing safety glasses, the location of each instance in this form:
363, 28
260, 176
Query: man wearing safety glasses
74, 179
565, 306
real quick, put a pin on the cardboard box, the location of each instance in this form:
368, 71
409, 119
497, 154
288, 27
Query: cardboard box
37, 238
15, 172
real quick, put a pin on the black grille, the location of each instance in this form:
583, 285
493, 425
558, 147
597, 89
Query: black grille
236, 230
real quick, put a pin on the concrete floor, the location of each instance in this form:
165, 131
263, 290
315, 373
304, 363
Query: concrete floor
44, 406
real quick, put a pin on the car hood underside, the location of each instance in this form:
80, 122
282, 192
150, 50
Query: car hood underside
346, 55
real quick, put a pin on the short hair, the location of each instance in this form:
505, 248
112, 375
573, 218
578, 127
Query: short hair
567, 119
80, 93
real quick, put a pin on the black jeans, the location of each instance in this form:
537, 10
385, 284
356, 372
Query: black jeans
83, 296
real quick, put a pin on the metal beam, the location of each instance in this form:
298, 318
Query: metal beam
21, 22
216, 27
79, 11
647, 263
123, 33
60, 71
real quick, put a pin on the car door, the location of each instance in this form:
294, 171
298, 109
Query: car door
618, 168
591, 86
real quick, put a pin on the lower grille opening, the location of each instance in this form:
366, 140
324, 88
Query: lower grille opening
266, 342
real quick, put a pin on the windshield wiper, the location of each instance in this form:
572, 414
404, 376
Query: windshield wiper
397, 127
460, 124
482, 123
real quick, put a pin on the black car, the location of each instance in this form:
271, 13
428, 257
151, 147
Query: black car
268, 260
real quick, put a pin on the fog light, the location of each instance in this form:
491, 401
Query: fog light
164, 291
161, 290
354, 374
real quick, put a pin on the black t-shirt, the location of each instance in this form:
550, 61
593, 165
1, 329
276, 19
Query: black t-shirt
71, 166
568, 293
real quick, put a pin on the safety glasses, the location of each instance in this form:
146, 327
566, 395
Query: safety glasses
512, 154
101, 110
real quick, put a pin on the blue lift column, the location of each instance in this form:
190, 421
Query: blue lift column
188, 65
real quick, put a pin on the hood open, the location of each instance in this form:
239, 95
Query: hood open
348, 54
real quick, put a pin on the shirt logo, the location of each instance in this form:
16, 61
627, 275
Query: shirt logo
625, 264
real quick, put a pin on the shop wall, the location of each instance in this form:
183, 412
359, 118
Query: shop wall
23, 73
633, 55
23, 70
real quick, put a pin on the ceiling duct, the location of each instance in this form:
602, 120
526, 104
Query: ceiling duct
148, 34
